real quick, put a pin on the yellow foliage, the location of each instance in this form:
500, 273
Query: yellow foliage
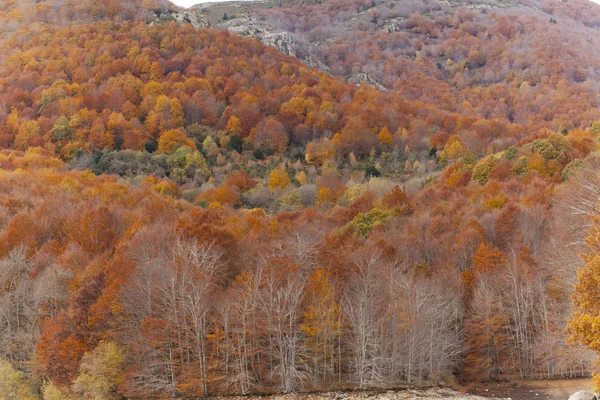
585, 321
100, 370
13, 385
301, 178
325, 196
538, 163
317, 153
170, 140
278, 179
234, 126
28, 131
496, 201
386, 140
454, 150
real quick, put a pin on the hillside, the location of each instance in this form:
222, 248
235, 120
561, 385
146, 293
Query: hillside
189, 212
217, 12
516, 61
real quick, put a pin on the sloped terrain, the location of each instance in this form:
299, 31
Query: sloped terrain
188, 212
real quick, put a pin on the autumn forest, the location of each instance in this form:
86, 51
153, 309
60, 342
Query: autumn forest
410, 197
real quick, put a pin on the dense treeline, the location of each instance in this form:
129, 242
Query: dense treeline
395, 287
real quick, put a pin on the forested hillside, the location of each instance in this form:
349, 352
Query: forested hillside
518, 61
192, 213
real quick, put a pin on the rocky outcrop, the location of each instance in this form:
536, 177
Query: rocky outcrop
282, 41
393, 25
181, 17
364, 77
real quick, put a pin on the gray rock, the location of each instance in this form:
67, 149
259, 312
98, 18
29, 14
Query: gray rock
181, 17
583, 395
364, 77
282, 41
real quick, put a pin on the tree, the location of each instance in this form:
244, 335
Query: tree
29, 134
13, 385
283, 296
209, 147
278, 179
386, 141
487, 337
17, 307
239, 319
62, 129
234, 126
322, 327
372, 172
363, 304
355, 137
100, 373
483, 169
586, 316
236, 143
241, 179
487, 258
170, 140
52, 392
318, 152
301, 177
222, 195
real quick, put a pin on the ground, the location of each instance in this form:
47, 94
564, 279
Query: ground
517, 390
528, 390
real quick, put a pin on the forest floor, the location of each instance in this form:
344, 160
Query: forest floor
535, 389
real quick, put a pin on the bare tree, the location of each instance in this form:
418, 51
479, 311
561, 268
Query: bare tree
363, 304
18, 332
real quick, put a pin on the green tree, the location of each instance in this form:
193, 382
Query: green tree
209, 147
364, 223
62, 129
236, 143
483, 168
372, 171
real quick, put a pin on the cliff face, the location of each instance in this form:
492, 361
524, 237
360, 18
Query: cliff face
247, 26
181, 17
